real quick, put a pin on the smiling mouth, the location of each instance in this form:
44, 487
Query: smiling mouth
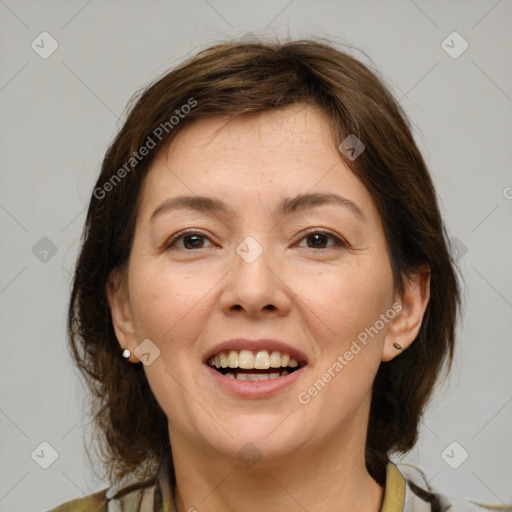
254, 365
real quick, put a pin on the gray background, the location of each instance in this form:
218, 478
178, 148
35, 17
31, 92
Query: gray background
59, 114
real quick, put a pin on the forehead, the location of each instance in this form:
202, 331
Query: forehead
269, 155
298, 129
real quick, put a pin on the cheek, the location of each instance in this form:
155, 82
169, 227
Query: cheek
172, 305
344, 309
345, 300
166, 302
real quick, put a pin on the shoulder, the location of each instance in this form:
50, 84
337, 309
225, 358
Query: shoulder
421, 497
93, 502
137, 497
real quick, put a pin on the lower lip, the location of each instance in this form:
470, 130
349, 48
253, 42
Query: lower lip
254, 389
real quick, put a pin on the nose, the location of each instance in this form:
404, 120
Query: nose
254, 284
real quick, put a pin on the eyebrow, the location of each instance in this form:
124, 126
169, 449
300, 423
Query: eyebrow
286, 206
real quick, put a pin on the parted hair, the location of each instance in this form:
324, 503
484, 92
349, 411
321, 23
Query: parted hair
231, 79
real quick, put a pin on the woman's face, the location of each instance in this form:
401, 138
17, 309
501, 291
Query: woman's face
267, 256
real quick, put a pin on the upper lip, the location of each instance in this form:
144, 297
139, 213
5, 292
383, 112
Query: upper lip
256, 345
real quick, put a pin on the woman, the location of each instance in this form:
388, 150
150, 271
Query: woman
264, 296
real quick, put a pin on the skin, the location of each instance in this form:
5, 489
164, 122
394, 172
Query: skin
188, 298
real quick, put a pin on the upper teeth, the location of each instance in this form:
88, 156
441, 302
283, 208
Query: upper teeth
246, 359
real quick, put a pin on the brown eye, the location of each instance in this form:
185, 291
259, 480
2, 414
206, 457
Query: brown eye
318, 240
191, 240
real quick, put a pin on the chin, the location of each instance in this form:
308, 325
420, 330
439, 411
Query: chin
265, 437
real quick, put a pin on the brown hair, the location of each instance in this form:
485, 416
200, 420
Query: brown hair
232, 79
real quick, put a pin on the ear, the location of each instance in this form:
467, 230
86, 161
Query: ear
122, 317
405, 326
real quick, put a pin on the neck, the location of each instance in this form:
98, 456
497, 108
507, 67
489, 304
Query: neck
315, 479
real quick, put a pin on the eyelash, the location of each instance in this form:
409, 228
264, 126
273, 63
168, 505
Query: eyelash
337, 241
